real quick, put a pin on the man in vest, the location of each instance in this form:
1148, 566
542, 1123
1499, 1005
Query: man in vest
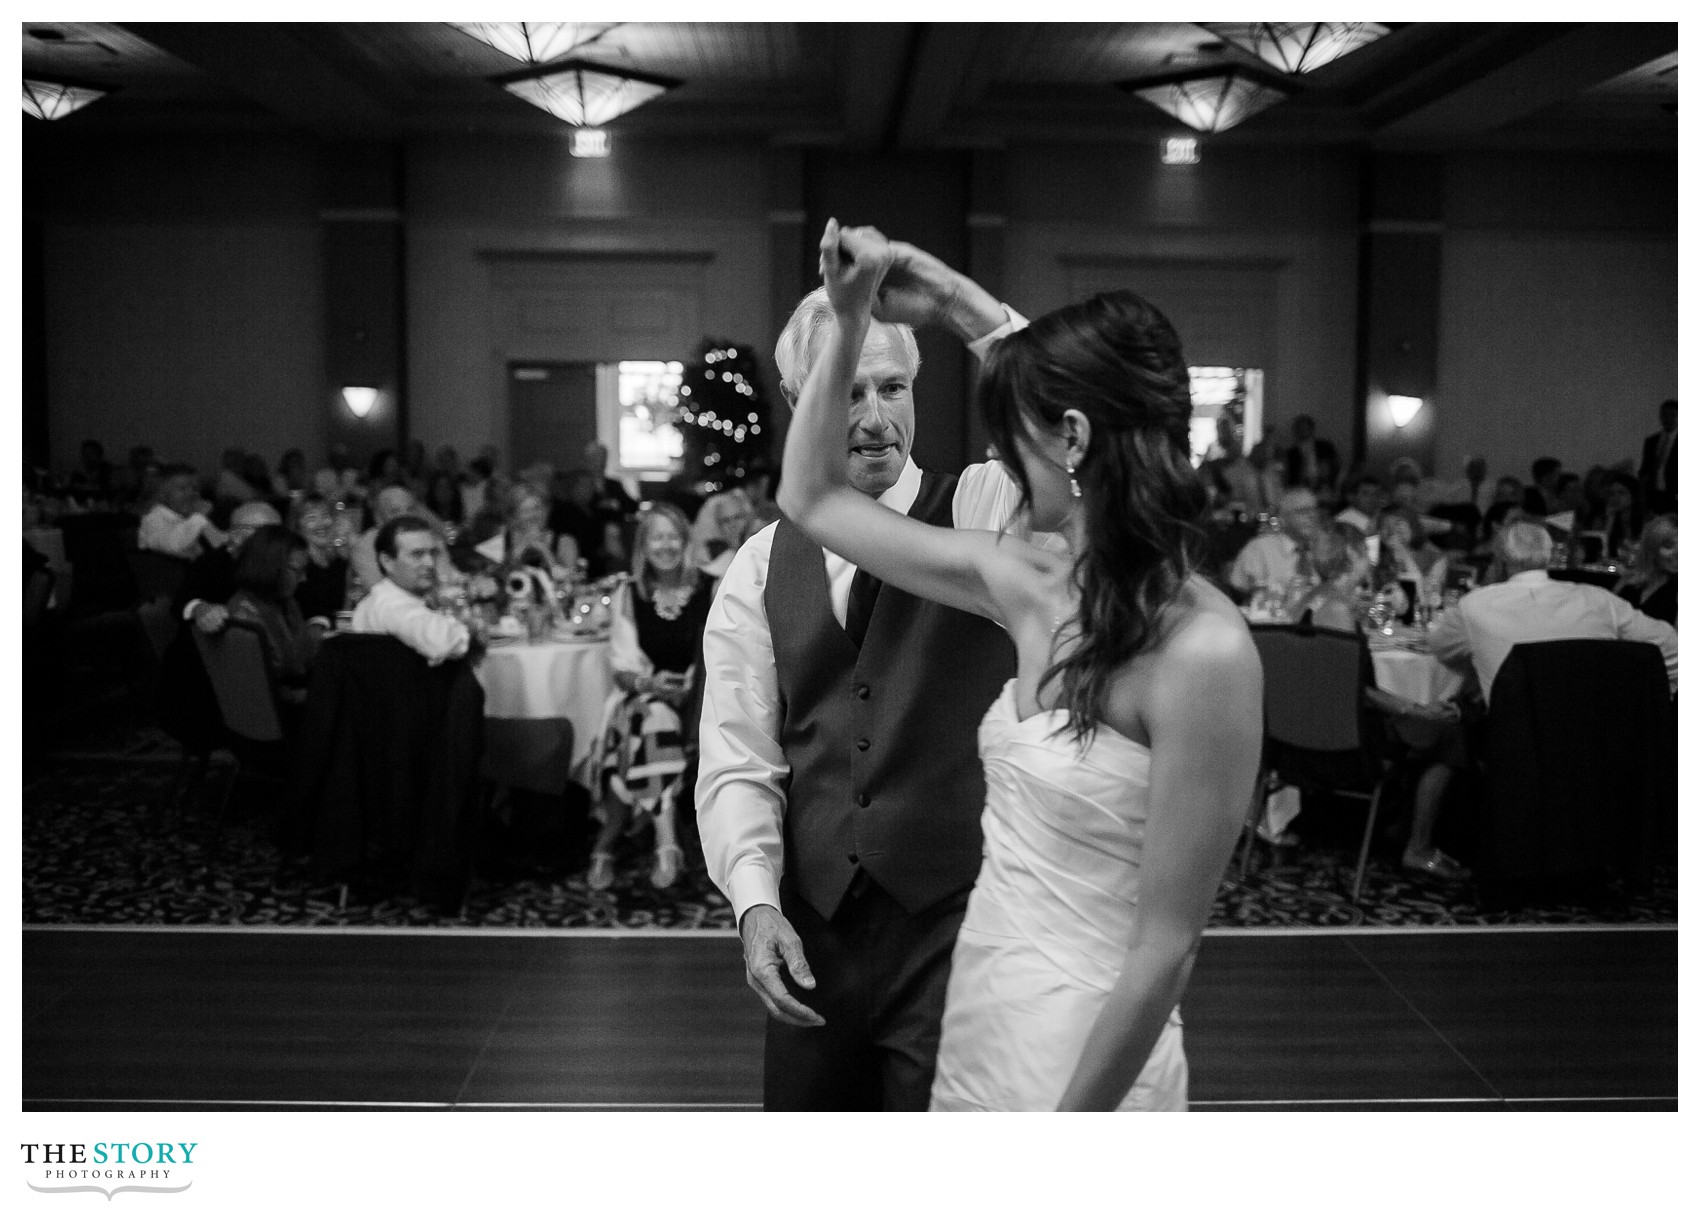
840, 788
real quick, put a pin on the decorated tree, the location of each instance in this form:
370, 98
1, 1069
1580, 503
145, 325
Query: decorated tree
723, 415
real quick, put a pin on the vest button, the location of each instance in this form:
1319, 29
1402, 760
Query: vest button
862, 691
854, 858
862, 800
862, 743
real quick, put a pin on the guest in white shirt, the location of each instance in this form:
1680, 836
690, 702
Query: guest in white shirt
1273, 559
178, 525
392, 503
1529, 606
408, 551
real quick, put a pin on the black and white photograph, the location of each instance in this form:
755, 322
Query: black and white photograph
676, 568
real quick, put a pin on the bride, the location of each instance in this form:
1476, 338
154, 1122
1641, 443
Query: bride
1120, 759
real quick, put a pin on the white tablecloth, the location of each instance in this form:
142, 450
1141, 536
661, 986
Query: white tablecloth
1420, 677
559, 680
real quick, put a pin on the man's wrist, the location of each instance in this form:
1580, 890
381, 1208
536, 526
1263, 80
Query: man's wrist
972, 312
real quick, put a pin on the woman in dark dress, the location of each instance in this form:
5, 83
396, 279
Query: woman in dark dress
324, 583
649, 725
1651, 585
268, 572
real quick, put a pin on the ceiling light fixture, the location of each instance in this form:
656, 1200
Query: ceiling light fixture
54, 99
359, 399
535, 41
582, 93
1210, 99
1296, 47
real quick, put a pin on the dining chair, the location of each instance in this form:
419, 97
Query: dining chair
1318, 732
235, 662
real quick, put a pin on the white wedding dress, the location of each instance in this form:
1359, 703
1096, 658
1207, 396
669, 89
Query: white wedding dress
1049, 920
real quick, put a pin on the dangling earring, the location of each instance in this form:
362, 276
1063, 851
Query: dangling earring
1073, 484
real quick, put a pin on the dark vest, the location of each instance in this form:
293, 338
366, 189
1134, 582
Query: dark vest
882, 740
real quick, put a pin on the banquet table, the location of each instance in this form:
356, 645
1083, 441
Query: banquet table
542, 707
1405, 667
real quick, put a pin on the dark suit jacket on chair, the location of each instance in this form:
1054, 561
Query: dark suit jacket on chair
388, 784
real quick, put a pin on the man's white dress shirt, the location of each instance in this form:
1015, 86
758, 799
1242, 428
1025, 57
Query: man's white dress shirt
1532, 607
392, 611
163, 529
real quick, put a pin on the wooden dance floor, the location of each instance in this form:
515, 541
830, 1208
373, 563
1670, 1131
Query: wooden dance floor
163, 1019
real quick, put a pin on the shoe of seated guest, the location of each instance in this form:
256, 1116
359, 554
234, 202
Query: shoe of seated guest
1436, 863
601, 874
668, 861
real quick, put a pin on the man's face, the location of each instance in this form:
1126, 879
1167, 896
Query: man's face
392, 503
414, 565
179, 494
1367, 499
248, 518
882, 413
1301, 518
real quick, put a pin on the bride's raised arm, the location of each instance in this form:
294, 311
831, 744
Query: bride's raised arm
969, 570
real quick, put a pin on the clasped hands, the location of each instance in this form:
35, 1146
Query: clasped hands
894, 282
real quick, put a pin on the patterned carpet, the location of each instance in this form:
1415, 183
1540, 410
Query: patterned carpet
96, 850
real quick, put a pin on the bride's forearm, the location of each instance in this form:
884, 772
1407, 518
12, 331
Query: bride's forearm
814, 444
1126, 1030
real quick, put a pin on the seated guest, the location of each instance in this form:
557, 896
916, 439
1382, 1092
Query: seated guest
1273, 559
573, 512
1342, 565
525, 537
1367, 497
442, 496
1541, 497
291, 473
408, 553
722, 525
392, 502
1529, 606
268, 573
1650, 584
1622, 520
1407, 555
211, 579
178, 524
324, 585
472, 487
612, 501
92, 477
650, 722
761, 483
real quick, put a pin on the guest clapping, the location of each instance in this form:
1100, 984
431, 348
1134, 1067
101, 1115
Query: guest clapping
525, 537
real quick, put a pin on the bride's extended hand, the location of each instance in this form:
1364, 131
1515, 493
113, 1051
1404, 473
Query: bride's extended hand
853, 263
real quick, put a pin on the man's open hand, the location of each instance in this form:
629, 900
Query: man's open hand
770, 944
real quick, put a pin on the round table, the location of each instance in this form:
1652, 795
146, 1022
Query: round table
1420, 677
542, 707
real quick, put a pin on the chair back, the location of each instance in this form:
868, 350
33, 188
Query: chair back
1313, 680
156, 574
235, 661
1580, 750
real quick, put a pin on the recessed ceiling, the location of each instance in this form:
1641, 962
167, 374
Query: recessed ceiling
868, 86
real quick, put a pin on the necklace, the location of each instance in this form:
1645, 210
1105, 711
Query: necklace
670, 603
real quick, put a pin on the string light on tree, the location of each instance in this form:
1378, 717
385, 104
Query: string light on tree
723, 414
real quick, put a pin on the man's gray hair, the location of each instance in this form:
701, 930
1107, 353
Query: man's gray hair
1524, 545
800, 343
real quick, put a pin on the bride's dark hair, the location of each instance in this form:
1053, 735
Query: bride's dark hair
1117, 360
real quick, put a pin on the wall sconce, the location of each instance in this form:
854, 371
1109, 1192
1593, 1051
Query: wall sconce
1403, 409
589, 141
359, 399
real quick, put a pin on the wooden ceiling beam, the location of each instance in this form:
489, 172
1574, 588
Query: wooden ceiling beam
873, 62
937, 74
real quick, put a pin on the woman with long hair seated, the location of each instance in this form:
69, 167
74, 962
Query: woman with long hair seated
649, 722
268, 572
1121, 758
1651, 584
1407, 556
525, 537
